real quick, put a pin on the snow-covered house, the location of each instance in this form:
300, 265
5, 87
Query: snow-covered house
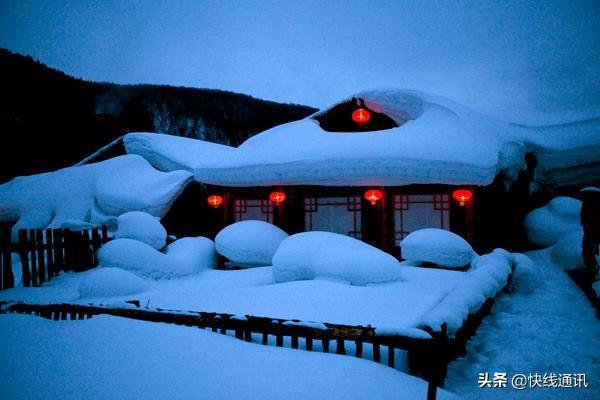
376, 167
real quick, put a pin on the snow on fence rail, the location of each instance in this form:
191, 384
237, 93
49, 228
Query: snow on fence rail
44, 253
429, 351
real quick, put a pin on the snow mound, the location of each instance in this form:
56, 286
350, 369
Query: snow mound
250, 243
488, 276
89, 194
312, 255
143, 227
110, 282
185, 256
547, 225
437, 246
566, 253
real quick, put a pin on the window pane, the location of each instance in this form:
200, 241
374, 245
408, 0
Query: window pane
333, 214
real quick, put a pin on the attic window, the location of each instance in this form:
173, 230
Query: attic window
341, 118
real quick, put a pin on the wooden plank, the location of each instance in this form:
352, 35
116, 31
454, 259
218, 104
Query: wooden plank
391, 354
309, 344
359, 348
96, 244
325, 343
340, 347
376, 352
87, 255
39, 240
50, 253
294, 342
24, 252
59, 259
34, 271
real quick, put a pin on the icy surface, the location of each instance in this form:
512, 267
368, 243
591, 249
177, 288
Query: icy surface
250, 243
143, 227
110, 282
546, 325
89, 194
312, 255
437, 246
547, 225
114, 358
183, 257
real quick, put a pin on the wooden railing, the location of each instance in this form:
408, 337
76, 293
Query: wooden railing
44, 253
428, 355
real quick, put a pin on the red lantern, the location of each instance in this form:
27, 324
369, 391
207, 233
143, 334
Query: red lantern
277, 197
361, 116
373, 195
462, 196
215, 200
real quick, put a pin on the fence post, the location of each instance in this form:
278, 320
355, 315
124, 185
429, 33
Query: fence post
39, 239
50, 254
8, 279
24, 252
59, 259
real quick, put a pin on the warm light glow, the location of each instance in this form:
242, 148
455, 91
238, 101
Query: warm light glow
373, 195
277, 197
462, 196
215, 200
361, 116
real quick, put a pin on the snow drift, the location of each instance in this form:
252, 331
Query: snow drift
437, 246
311, 255
250, 243
89, 194
185, 256
547, 225
143, 227
110, 282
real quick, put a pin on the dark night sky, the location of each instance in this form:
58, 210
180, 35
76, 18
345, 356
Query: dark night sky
528, 61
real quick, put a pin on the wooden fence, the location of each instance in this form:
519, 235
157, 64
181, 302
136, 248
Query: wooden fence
428, 357
44, 253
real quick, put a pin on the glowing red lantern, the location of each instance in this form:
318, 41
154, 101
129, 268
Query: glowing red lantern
361, 116
277, 197
215, 200
373, 195
462, 196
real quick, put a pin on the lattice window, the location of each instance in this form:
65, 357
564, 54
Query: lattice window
417, 211
333, 214
245, 209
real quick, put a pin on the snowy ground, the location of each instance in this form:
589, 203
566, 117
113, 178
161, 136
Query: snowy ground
117, 358
546, 326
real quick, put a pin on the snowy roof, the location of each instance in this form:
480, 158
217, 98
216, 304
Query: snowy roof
437, 141
90, 194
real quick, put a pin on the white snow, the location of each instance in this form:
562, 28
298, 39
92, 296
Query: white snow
438, 141
249, 243
114, 358
169, 153
89, 194
546, 325
110, 282
313, 255
183, 257
143, 227
547, 225
437, 246
486, 278
566, 253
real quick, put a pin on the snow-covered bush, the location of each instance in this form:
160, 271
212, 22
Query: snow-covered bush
143, 227
437, 246
110, 282
566, 253
311, 255
547, 225
250, 243
183, 257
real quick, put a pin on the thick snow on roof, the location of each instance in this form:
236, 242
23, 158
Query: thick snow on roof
437, 141
169, 153
78, 196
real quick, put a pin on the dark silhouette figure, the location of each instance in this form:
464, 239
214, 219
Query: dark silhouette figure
590, 221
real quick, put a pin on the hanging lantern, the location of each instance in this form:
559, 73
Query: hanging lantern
277, 197
361, 116
462, 196
215, 200
373, 195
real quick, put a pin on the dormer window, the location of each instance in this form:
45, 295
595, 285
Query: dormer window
353, 116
